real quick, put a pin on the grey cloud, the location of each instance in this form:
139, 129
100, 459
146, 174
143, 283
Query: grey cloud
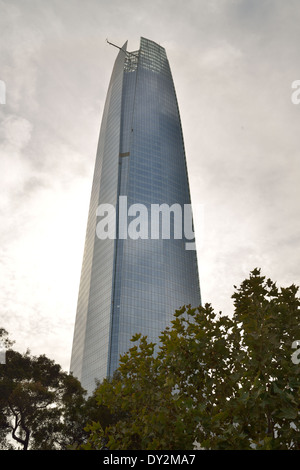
233, 62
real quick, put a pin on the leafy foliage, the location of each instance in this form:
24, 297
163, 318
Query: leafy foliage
40, 405
212, 382
215, 382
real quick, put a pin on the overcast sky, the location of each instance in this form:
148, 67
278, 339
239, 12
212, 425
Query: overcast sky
233, 64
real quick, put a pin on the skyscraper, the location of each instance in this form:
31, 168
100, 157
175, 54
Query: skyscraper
135, 271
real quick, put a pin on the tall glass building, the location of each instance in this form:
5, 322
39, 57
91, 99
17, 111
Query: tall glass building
134, 277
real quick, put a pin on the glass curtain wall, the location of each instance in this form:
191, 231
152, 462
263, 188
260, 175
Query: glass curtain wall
131, 285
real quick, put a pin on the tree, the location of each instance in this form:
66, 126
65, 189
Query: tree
141, 397
214, 381
264, 405
5, 343
41, 407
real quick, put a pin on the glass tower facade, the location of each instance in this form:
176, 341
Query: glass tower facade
132, 282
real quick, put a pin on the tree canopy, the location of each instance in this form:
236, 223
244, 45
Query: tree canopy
40, 405
214, 381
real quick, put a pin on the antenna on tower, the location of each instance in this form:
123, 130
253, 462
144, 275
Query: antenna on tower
115, 45
118, 47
